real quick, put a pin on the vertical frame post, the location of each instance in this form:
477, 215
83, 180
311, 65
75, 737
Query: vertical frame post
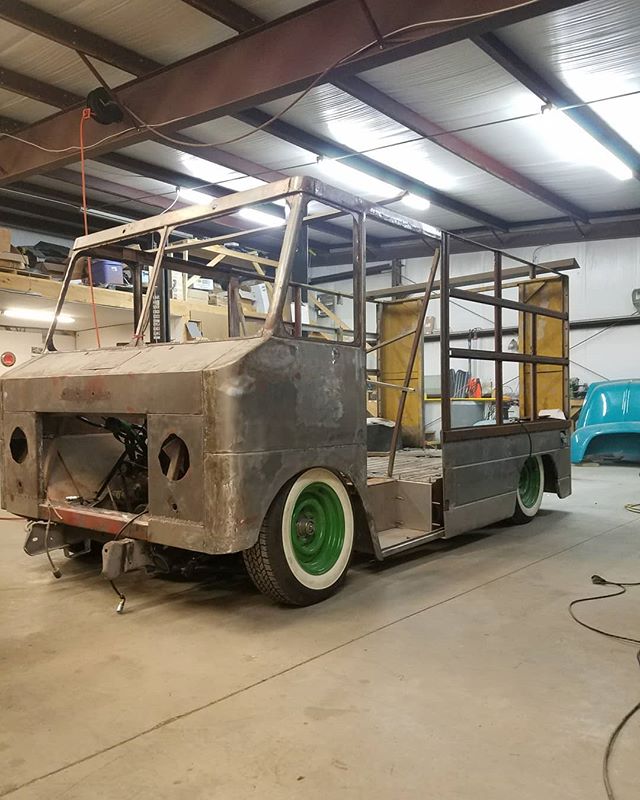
273, 322
73, 258
136, 274
565, 347
445, 383
497, 340
359, 272
234, 319
417, 342
165, 300
534, 367
151, 288
297, 308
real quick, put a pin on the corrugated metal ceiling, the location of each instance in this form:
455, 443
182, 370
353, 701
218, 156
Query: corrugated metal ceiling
333, 114
166, 31
594, 48
293, 160
272, 9
523, 145
22, 108
455, 86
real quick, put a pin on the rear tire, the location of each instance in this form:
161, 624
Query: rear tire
530, 491
304, 547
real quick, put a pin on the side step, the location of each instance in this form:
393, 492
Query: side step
402, 515
399, 540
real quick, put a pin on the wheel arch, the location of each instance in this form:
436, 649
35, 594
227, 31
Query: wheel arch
550, 473
363, 521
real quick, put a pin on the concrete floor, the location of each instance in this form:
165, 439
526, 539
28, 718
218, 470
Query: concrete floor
454, 673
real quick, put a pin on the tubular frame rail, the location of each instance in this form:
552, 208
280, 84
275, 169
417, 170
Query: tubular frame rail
530, 360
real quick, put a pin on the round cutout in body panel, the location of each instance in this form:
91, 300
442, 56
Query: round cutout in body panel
18, 445
174, 458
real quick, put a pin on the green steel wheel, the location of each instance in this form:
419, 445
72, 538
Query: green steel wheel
530, 490
304, 547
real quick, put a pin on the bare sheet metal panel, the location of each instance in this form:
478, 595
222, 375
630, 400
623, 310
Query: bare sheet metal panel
481, 474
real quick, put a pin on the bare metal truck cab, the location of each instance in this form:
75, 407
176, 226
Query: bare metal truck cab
257, 443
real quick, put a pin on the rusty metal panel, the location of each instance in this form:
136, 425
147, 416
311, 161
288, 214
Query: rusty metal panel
293, 392
66, 468
481, 475
21, 489
179, 533
240, 487
155, 379
181, 499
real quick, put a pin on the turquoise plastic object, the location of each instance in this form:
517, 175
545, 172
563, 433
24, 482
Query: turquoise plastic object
608, 428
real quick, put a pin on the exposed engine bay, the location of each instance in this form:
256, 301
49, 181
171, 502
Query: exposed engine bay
116, 475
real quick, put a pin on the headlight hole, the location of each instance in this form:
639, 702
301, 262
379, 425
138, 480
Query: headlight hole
18, 445
174, 458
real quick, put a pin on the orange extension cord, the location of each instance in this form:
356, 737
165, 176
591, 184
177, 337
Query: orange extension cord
86, 114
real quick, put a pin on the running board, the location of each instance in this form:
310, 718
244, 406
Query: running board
399, 540
402, 514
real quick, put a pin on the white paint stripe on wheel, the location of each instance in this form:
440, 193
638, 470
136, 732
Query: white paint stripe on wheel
327, 579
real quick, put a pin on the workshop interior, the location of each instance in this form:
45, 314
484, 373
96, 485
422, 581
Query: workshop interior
320, 399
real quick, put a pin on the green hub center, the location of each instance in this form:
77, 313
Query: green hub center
317, 528
529, 485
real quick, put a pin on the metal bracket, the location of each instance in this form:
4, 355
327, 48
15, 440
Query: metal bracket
58, 538
83, 550
125, 555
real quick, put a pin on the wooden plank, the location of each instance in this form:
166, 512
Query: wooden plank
395, 319
108, 298
545, 336
328, 312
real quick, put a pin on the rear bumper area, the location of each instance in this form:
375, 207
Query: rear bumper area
97, 520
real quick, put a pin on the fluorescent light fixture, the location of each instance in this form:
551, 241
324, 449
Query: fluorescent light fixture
205, 170
36, 315
391, 145
414, 201
573, 143
355, 180
412, 159
622, 113
96, 212
261, 217
193, 196
243, 182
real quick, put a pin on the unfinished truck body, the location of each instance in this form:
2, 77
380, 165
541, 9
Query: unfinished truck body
256, 443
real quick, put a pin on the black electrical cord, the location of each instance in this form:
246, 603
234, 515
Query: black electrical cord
528, 432
121, 595
598, 580
56, 572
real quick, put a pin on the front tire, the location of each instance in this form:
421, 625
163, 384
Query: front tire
530, 490
304, 547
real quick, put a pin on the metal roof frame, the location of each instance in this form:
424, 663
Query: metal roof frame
300, 61
255, 32
560, 96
